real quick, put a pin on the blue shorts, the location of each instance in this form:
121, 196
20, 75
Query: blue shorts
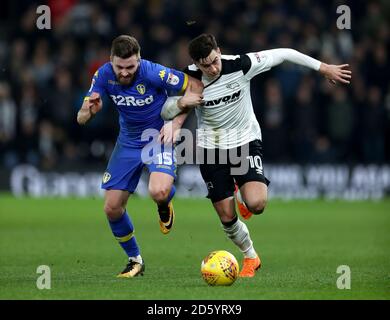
125, 166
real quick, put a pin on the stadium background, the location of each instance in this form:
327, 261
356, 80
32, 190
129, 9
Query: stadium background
319, 140
45, 74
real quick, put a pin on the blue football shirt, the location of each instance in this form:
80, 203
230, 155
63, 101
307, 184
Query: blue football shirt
139, 104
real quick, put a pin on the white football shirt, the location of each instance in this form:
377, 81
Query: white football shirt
226, 119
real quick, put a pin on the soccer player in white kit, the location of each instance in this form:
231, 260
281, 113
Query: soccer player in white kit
228, 129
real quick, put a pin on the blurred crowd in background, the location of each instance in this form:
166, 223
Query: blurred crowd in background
44, 74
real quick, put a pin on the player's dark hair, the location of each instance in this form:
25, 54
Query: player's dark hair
201, 46
125, 46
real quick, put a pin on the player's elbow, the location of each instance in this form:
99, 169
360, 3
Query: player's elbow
81, 120
196, 85
199, 86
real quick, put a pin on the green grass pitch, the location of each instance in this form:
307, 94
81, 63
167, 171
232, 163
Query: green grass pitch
301, 244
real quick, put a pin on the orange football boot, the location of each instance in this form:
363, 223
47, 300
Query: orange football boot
244, 212
249, 267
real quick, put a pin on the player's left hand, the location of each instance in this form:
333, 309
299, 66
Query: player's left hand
336, 73
169, 132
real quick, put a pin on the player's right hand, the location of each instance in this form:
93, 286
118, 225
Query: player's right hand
190, 100
95, 103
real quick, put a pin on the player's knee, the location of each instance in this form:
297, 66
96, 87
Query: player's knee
159, 193
257, 207
113, 212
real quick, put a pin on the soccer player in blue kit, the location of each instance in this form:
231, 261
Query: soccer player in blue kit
138, 88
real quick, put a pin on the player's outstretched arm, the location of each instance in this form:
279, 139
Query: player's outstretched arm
91, 105
335, 73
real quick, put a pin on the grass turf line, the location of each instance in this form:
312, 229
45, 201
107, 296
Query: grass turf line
301, 244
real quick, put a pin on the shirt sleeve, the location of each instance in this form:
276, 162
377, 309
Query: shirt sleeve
97, 84
264, 60
166, 78
259, 62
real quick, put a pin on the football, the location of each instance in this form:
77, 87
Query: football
219, 268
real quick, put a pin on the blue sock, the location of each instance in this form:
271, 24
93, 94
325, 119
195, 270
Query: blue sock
123, 231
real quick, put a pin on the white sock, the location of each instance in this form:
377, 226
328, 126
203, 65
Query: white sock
239, 234
136, 259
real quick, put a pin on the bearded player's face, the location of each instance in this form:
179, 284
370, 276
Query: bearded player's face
125, 69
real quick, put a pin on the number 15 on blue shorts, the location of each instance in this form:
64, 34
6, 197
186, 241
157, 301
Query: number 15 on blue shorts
126, 164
